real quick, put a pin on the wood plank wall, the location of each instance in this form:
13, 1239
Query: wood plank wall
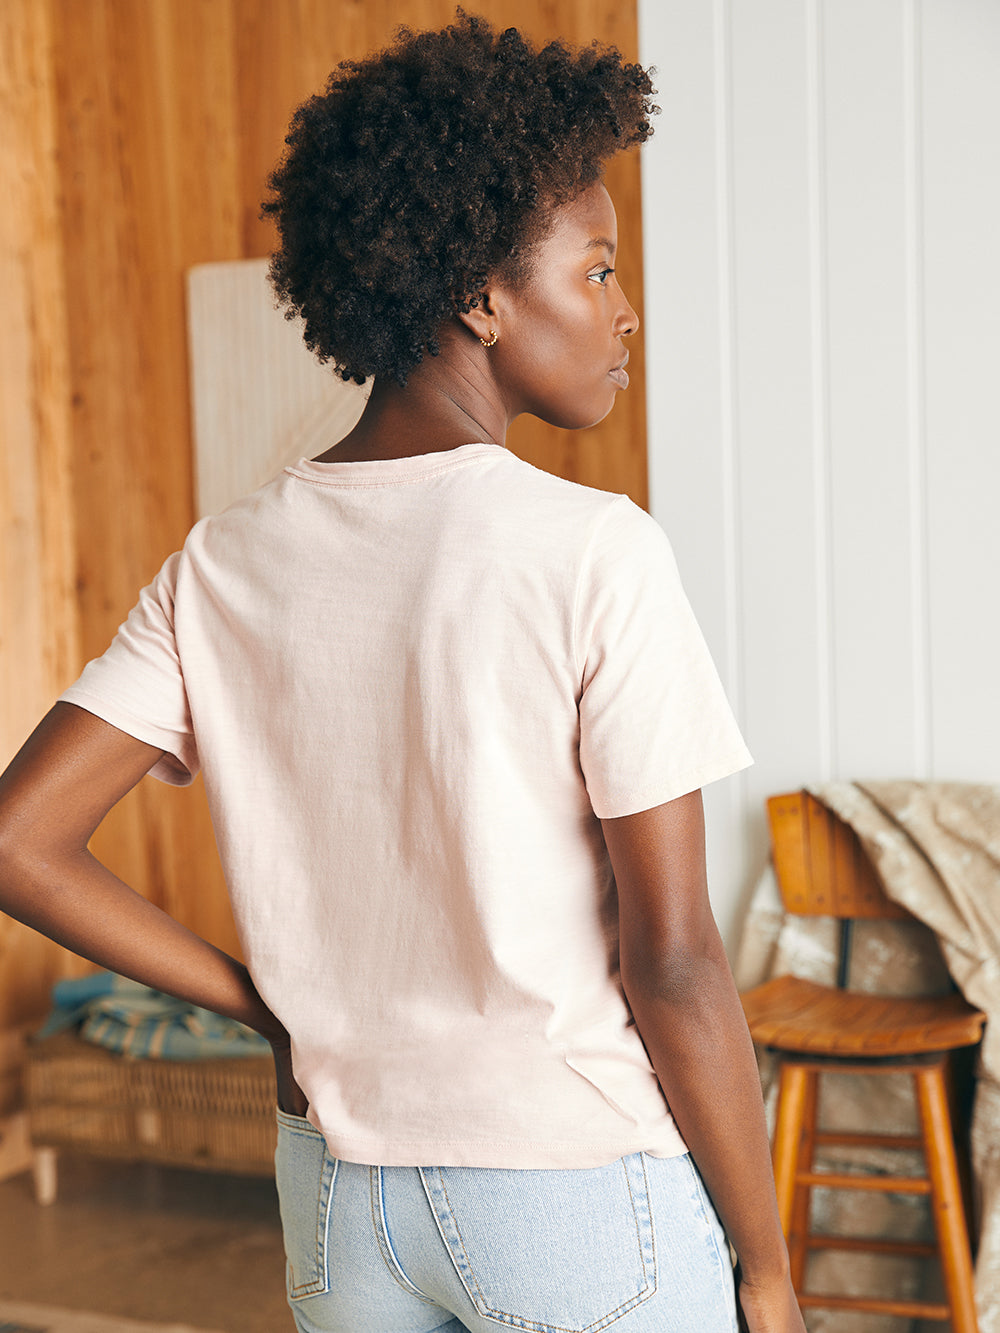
135, 137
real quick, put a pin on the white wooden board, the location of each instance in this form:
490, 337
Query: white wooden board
260, 399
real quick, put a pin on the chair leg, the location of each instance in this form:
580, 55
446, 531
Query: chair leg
46, 1177
960, 1110
946, 1197
793, 1105
798, 1237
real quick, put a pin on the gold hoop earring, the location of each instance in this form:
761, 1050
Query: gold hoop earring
491, 340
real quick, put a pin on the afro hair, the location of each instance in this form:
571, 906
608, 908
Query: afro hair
428, 167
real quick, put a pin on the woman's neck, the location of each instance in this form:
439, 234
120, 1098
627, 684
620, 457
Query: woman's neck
448, 401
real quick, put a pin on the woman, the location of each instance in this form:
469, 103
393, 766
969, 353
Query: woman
453, 717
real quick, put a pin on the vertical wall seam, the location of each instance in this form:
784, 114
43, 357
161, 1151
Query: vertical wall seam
732, 528
913, 224
728, 352
819, 346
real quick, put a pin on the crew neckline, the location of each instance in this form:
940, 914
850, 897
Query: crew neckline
390, 471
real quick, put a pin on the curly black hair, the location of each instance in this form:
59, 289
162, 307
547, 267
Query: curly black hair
429, 166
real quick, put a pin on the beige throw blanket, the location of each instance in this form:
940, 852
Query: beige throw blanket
936, 847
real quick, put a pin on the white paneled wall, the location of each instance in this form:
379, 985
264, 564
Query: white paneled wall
822, 257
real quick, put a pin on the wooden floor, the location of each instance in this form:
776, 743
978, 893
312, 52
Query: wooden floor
145, 1242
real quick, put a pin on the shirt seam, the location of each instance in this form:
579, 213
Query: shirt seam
585, 564
384, 483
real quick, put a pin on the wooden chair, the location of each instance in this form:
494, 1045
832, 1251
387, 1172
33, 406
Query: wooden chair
823, 871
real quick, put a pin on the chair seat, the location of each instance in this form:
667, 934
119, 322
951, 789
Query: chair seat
797, 1015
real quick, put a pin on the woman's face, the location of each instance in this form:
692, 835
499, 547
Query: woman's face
560, 353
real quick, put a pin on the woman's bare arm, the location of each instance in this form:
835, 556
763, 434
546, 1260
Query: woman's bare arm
67, 776
681, 991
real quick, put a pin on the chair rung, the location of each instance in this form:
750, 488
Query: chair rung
845, 1140
879, 1184
872, 1245
873, 1305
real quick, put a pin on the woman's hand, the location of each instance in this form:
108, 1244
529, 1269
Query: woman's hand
291, 1099
768, 1307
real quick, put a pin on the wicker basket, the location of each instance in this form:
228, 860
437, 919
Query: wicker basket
213, 1114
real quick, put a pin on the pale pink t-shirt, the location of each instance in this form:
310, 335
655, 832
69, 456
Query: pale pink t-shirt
413, 687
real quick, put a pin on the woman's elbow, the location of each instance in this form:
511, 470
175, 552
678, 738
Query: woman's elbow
674, 973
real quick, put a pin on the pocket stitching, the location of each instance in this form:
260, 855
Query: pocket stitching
468, 1262
381, 1231
724, 1259
650, 1278
319, 1285
648, 1288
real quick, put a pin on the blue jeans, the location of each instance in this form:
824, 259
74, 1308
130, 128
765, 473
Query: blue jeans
635, 1245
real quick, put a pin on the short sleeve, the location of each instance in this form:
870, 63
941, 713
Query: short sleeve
138, 684
654, 720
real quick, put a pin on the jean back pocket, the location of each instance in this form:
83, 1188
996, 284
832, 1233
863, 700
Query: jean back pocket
305, 1174
549, 1251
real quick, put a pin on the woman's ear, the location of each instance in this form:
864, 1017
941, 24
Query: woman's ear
481, 320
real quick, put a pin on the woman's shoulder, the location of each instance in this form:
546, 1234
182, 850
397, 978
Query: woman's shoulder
530, 485
607, 518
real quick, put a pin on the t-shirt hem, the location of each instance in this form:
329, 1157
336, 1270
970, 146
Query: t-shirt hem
631, 803
171, 769
524, 1155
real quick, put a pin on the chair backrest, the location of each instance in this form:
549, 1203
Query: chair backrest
821, 867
